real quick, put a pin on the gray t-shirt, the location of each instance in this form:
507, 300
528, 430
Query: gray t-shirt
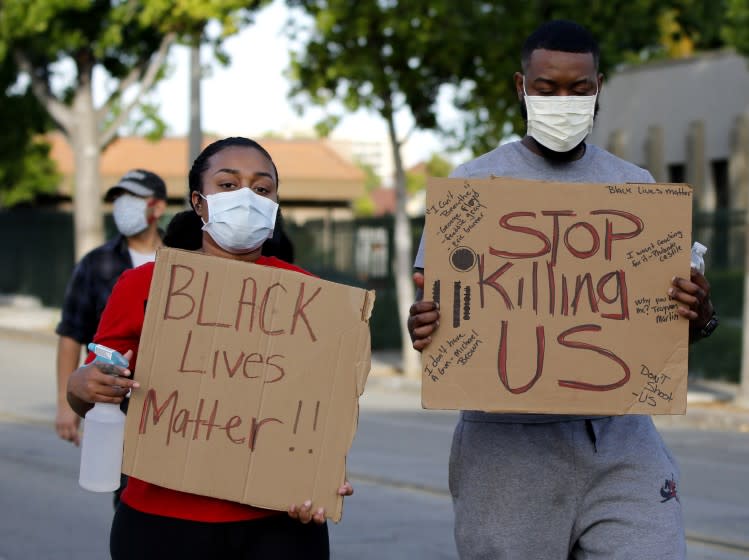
515, 160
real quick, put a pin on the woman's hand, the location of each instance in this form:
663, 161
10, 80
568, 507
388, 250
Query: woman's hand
305, 513
99, 382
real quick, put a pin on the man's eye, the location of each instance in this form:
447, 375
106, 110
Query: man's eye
227, 185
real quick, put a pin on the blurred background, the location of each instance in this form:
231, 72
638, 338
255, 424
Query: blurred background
358, 102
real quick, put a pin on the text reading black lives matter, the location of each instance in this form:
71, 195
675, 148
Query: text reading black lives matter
254, 312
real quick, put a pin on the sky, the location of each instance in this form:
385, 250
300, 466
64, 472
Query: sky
250, 96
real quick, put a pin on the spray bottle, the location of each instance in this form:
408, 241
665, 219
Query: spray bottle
698, 257
103, 436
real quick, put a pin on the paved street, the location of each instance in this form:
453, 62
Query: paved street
398, 465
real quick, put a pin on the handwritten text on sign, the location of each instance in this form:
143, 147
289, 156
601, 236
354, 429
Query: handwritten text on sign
243, 368
553, 296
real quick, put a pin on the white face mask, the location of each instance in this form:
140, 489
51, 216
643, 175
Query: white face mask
129, 213
240, 221
560, 122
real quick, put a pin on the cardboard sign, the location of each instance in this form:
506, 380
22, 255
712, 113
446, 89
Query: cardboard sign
250, 378
553, 297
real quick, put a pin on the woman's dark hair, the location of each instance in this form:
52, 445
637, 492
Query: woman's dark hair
185, 230
280, 244
195, 178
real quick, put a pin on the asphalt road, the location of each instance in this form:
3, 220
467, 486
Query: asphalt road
398, 464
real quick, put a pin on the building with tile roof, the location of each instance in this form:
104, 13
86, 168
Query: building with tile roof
315, 179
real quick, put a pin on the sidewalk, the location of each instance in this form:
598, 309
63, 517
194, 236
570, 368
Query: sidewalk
709, 403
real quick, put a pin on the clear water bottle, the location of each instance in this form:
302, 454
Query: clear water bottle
698, 257
103, 436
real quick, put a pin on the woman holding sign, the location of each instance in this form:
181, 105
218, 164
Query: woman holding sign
233, 181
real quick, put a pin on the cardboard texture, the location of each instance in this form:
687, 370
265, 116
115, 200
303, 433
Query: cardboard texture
553, 296
250, 378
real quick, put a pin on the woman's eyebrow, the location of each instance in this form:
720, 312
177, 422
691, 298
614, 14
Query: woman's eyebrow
237, 172
227, 170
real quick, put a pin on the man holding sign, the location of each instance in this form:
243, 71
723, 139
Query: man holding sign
562, 486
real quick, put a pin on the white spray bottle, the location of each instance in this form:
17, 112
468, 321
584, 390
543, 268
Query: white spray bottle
103, 436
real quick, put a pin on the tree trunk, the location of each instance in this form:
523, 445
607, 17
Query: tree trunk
403, 260
87, 207
740, 178
196, 132
742, 398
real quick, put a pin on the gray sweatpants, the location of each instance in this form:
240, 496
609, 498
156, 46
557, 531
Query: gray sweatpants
602, 489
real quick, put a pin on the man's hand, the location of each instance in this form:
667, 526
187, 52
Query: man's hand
693, 295
424, 317
67, 424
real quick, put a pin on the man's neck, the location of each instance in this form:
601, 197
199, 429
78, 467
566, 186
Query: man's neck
146, 241
551, 156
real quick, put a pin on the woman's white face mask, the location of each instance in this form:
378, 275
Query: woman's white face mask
240, 221
560, 122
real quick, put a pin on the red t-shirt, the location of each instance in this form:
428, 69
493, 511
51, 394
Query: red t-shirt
119, 329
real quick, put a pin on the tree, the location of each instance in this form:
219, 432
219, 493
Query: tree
385, 57
437, 166
364, 205
128, 40
628, 31
736, 33
26, 170
735, 30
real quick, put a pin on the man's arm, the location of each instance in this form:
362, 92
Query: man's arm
67, 421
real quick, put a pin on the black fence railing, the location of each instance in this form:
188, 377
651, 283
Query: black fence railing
36, 258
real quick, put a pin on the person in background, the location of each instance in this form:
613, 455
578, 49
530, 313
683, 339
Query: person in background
555, 486
139, 201
234, 192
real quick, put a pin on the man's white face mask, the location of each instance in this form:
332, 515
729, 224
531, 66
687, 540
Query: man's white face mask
240, 221
129, 212
560, 122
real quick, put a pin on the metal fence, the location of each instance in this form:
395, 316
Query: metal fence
36, 258
358, 253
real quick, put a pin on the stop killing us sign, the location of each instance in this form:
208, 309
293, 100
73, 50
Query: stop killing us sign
553, 297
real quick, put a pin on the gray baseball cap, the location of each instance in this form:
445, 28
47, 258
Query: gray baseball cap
140, 183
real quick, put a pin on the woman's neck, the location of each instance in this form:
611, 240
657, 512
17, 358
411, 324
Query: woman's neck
210, 247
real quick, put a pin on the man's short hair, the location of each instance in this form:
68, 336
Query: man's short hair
560, 35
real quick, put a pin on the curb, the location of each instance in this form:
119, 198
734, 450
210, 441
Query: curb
705, 411
28, 334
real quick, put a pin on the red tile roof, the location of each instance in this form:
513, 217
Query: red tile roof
310, 170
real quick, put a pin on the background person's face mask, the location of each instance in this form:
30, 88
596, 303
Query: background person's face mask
560, 122
240, 221
129, 212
